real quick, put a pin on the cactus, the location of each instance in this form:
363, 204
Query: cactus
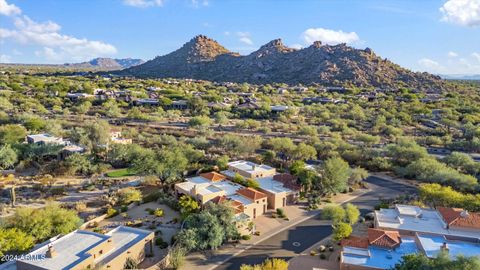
13, 196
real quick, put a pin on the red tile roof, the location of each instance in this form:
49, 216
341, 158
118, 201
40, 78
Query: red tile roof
219, 199
353, 241
251, 193
459, 217
237, 206
288, 181
213, 176
382, 238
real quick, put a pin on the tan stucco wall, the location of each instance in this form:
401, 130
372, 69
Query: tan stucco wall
258, 205
100, 249
256, 174
275, 200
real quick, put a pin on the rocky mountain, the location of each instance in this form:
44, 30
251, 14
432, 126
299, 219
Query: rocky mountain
204, 58
107, 63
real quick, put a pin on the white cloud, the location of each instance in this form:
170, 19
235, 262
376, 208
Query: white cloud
462, 12
5, 58
226, 33
49, 54
452, 54
198, 3
9, 9
143, 3
476, 56
431, 65
60, 46
245, 38
329, 36
296, 46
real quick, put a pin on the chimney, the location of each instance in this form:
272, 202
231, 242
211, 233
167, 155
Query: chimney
51, 252
444, 247
194, 190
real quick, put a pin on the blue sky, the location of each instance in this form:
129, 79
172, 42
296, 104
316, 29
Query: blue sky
439, 36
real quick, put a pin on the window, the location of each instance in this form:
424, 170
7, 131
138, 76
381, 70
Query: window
263, 200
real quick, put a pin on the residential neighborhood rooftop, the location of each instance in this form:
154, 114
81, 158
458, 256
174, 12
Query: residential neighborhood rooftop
428, 221
71, 250
123, 238
251, 193
433, 244
273, 186
377, 257
249, 166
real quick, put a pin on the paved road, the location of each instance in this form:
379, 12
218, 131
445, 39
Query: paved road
295, 240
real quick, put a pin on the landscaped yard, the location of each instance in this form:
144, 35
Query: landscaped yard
121, 173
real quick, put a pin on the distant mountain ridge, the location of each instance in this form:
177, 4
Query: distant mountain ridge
107, 63
204, 58
474, 77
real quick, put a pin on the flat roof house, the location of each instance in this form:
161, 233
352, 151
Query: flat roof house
44, 138
249, 169
280, 189
85, 250
382, 249
216, 188
409, 219
147, 101
379, 250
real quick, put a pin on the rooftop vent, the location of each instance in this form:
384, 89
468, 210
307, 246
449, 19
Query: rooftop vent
51, 252
464, 214
444, 247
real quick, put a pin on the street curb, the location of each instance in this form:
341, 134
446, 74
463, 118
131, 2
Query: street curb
276, 232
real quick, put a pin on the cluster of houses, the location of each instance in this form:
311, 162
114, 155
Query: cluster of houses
87, 250
408, 229
275, 190
69, 148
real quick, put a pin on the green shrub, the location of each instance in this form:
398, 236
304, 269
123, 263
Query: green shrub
159, 212
124, 208
246, 237
111, 212
160, 243
281, 213
382, 205
152, 197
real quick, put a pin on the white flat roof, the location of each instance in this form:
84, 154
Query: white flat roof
249, 166
430, 221
229, 187
198, 180
411, 210
208, 190
268, 184
205, 186
44, 137
71, 249
123, 238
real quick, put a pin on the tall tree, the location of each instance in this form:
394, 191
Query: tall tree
334, 175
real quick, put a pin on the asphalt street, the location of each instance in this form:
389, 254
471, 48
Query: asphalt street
293, 241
